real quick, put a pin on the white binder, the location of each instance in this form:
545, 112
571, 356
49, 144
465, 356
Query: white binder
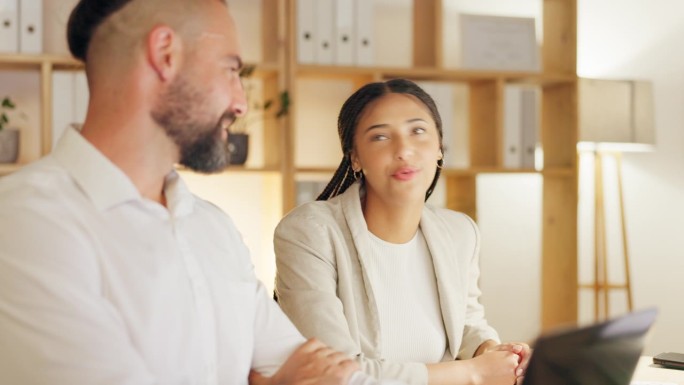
325, 32
512, 127
306, 46
344, 32
364, 39
69, 101
30, 26
529, 114
9, 26
443, 95
81, 97
62, 103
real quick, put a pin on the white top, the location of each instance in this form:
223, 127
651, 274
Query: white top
101, 286
405, 289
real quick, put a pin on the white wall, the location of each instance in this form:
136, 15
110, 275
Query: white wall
644, 40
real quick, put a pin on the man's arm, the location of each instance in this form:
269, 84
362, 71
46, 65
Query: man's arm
55, 328
281, 353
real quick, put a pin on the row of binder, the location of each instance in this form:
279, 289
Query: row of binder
520, 124
336, 32
21, 26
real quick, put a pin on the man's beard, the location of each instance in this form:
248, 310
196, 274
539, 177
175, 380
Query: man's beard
185, 117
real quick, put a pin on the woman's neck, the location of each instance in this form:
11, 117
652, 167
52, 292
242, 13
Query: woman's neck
390, 222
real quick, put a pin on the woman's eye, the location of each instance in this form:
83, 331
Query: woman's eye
418, 130
378, 137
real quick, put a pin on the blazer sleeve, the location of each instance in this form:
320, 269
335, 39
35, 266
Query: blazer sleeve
307, 286
476, 330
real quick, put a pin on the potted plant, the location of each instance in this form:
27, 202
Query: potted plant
9, 136
238, 138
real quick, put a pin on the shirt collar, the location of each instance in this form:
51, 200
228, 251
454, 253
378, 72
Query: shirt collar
179, 200
102, 181
105, 184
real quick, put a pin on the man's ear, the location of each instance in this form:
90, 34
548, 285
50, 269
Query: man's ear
163, 49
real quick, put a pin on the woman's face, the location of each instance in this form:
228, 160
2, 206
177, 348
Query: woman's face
397, 146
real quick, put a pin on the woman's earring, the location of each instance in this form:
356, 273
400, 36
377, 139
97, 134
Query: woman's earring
358, 174
440, 163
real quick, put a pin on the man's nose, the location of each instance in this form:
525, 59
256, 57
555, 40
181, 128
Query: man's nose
239, 103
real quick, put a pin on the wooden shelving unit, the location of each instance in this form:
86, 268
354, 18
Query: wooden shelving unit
558, 88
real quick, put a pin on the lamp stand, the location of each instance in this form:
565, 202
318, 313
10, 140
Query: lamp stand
602, 285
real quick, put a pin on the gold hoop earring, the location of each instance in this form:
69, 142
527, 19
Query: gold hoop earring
440, 163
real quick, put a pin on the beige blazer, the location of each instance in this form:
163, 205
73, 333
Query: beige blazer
323, 286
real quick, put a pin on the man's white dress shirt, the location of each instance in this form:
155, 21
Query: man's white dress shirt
101, 286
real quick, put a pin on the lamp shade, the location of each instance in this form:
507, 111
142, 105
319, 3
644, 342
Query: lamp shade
616, 112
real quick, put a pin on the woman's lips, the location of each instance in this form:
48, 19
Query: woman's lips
405, 173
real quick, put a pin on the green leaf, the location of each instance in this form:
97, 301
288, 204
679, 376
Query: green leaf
7, 103
247, 71
284, 104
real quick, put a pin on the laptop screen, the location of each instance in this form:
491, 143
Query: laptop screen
605, 353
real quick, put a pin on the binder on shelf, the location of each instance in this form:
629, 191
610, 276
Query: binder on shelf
30, 26
308, 190
81, 97
9, 26
344, 32
325, 32
56, 14
364, 39
454, 133
529, 112
306, 40
62, 103
521, 123
512, 127
69, 101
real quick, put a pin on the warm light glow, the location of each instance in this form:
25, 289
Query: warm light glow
613, 147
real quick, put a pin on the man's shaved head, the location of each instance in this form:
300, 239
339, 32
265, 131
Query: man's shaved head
117, 26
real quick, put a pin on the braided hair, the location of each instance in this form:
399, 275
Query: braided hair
349, 117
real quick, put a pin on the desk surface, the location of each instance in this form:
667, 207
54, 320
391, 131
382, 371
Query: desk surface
647, 372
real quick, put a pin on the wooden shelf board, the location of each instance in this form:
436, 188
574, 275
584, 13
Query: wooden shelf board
30, 61
438, 74
464, 171
239, 169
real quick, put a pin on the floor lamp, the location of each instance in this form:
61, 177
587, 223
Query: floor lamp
615, 116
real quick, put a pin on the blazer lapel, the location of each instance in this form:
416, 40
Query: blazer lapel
441, 242
353, 214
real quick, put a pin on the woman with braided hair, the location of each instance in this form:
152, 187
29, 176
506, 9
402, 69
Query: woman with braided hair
375, 272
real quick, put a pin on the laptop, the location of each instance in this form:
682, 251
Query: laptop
605, 353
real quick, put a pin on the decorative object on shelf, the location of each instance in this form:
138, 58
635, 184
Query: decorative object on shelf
615, 116
9, 136
498, 43
238, 145
238, 137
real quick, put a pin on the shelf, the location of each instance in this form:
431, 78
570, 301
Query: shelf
435, 74
8, 168
462, 172
26, 61
239, 169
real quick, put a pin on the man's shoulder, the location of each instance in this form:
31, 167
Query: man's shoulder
42, 180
